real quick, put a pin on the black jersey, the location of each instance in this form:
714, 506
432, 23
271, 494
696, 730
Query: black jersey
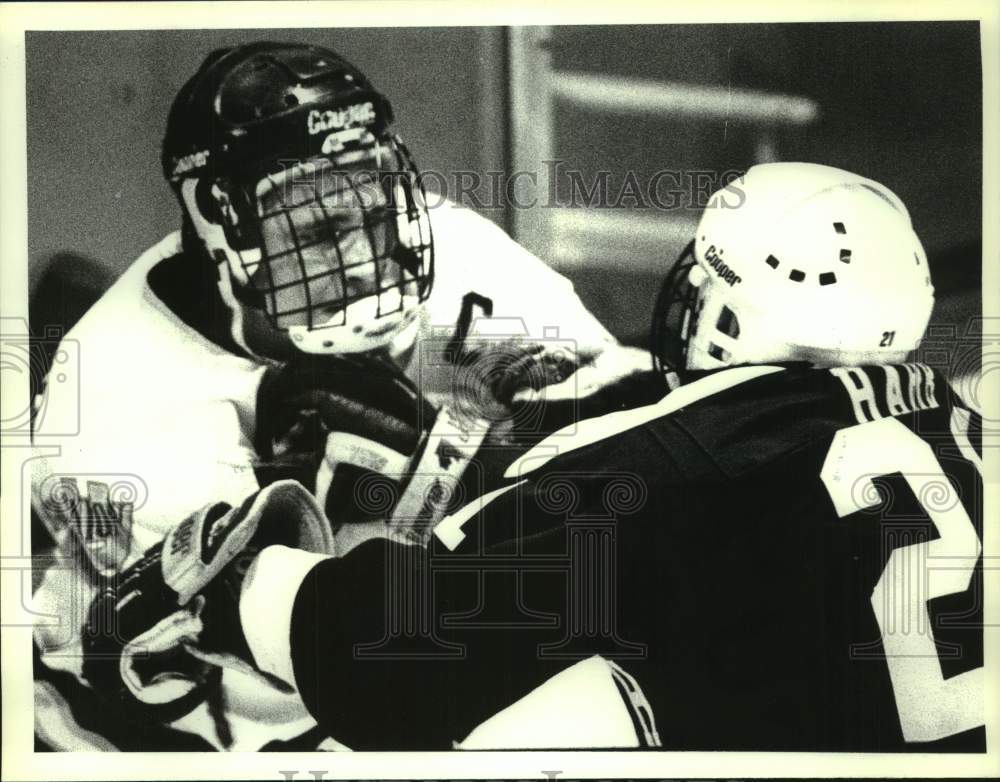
773, 558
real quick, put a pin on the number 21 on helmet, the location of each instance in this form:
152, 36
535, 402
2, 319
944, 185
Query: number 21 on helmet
796, 262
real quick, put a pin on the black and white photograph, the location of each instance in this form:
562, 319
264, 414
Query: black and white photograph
567, 386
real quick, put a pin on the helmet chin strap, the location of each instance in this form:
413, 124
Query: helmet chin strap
237, 327
362, 329
211, 237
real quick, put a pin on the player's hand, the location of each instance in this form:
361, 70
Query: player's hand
301, 402
491, 375
604, 381
349, 419
594, 369
157, 636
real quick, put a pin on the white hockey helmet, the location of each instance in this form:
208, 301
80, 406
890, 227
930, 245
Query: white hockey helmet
796, 261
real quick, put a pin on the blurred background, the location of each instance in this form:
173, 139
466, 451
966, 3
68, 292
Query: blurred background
575, 105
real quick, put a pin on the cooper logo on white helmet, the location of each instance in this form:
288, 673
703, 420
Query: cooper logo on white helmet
723, 270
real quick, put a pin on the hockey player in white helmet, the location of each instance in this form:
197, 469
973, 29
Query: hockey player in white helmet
770, 558
773, 557
797, 262
305, 235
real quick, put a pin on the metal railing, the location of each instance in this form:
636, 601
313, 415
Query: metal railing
568, 237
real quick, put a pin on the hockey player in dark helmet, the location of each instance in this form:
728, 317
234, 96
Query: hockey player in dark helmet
293, 183
305, 243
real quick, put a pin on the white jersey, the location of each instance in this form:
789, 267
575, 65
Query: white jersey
165, 422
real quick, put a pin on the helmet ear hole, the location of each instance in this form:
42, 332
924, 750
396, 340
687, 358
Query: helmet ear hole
225, 205
719, 353
728, 323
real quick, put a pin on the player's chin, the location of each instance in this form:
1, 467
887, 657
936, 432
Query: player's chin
308, 317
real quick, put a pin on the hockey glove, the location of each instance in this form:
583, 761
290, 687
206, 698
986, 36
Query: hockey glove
158, 635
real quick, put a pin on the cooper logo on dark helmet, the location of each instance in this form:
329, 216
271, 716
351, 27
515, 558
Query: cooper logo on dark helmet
338, 119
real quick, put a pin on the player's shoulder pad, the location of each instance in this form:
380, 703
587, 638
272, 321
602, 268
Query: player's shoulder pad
755, 423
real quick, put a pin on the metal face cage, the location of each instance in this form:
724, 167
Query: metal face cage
674, 316
315, 236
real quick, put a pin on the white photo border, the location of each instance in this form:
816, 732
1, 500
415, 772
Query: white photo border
20, 762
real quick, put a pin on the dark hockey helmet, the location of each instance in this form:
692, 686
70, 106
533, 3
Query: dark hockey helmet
288, 174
